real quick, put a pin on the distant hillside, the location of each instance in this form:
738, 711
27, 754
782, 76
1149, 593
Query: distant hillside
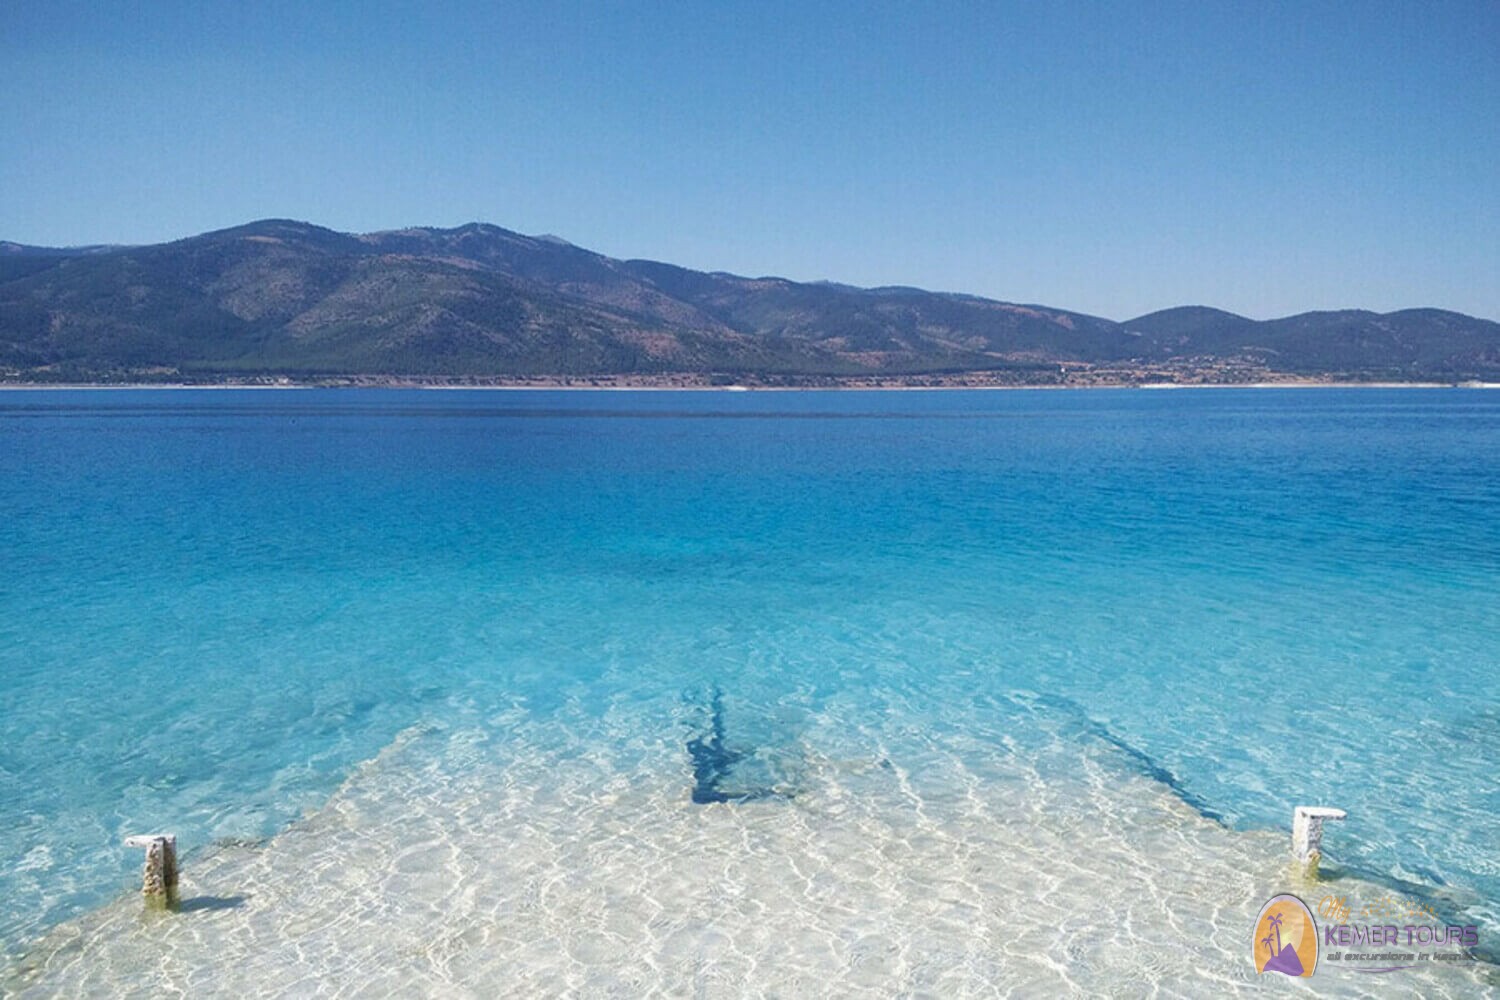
1413, 343
283, 298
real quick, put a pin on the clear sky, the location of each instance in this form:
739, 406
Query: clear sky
1262, 157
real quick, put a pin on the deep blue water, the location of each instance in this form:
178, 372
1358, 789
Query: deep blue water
214, 604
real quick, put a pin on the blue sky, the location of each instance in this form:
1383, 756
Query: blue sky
1264, 158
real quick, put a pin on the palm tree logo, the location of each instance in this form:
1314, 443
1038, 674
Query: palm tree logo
1292, 954
1274, 920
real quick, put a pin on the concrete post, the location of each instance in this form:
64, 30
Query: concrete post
159, 879
1307, 835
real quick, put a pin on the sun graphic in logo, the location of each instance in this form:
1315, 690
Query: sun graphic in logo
1286, 938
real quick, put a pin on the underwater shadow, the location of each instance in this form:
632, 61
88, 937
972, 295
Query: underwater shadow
713, 763
211, 903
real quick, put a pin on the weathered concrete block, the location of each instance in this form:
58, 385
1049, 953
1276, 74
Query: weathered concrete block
1307, 835
159, 878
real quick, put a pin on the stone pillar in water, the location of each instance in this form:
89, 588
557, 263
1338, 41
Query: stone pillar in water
1307, 835
159, 879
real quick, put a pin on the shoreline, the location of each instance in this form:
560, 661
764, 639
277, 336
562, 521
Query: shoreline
257, 902
577, 385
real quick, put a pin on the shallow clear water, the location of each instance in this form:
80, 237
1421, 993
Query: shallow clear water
976, 657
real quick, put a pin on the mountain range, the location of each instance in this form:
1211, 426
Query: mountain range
289, 300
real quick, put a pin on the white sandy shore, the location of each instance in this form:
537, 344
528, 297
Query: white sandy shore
456, 864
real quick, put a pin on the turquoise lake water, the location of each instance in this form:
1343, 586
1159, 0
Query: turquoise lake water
217, 607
